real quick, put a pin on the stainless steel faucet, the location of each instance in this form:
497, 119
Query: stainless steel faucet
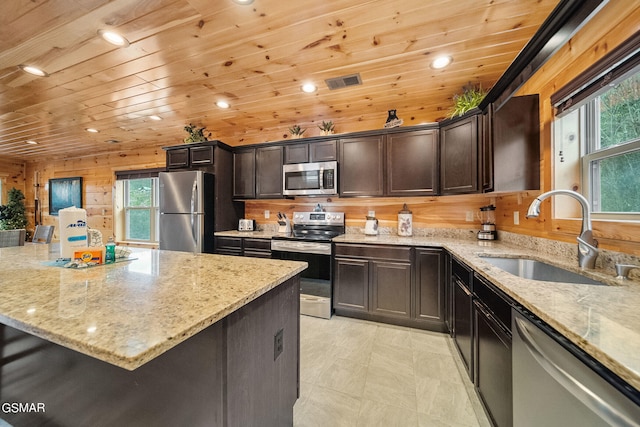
587, 245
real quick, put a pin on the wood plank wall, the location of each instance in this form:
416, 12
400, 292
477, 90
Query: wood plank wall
98, 174
12, 174
616, 22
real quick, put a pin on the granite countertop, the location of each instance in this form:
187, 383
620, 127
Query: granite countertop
602, 320
129, 312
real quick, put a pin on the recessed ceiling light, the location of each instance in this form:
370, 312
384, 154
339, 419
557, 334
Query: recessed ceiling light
441, 62
309, 88
32, 142
113, 38
243, 2
222, 104
92, 130
154, 117
34, 70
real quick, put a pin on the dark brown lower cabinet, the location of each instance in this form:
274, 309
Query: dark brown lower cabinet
257, 248
391, 284
225, 245
429, 294
391, 288
351, 290
463, 313
492, 361
493, 366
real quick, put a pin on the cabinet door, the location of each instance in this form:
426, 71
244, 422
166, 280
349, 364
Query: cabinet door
269, 172
493, 367
459, 156
202, 155
462, 324
391, 288
351, 284
178, 158
412, 160
486, 129
429, 290
516, 145
324, 151
298, 153
361, 166
244, 174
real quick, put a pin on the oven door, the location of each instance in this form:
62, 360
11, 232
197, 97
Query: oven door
315, 281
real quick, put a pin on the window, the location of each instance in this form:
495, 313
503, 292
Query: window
136, 206
596, 141
141, 209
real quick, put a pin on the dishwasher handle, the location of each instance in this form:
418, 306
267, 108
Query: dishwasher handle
600, 407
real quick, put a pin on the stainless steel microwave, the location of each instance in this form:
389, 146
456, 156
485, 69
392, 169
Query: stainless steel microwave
310, 179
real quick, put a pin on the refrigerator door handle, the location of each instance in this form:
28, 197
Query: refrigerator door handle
194, 194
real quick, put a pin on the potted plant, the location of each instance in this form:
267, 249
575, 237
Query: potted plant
12, 215
326, 128
468, 100
195, 134
296, 131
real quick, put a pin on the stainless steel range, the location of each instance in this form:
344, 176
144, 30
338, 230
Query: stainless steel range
310, 241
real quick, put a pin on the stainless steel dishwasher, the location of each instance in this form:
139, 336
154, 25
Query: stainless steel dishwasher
556, 384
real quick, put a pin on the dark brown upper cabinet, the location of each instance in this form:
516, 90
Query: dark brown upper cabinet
459, 155
516, 144
321, 151
361, 168
412, 163
244, 173
269, 172
191, 156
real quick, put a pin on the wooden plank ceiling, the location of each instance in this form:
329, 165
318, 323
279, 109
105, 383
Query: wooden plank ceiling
185, 55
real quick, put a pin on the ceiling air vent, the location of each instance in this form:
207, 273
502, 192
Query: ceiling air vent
344, 81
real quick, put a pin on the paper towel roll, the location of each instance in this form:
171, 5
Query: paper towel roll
73, 230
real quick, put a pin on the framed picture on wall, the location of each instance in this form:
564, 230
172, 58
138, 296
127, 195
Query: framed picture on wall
64, 193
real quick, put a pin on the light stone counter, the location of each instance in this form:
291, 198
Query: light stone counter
602, 320
130, 312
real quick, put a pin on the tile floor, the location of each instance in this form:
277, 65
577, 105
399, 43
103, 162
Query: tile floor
365, 374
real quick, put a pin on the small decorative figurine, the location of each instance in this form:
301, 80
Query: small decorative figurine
392, 120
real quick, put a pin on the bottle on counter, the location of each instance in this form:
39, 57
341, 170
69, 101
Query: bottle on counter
110, 253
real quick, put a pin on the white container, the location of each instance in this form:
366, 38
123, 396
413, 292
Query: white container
72, 223
405, 222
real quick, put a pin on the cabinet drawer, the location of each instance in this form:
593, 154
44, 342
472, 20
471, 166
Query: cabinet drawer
496, 303
462, 272
396, 253
257, 244
228, 245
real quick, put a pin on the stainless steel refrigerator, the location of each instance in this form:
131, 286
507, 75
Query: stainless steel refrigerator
187, 211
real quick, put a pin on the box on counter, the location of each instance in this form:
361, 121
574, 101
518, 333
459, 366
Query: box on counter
89, 255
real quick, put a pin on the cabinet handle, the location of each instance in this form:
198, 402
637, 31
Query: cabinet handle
581, 392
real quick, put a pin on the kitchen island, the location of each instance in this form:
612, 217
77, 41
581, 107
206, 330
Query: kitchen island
165, 338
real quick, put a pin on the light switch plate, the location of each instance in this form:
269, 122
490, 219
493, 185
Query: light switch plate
516, 218
267, 214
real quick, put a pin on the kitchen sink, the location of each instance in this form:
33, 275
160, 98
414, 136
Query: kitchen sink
537, 270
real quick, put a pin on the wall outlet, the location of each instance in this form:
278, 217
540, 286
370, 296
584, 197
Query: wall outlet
469, 216
516, 218
267, 214
371, 213
278, 343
